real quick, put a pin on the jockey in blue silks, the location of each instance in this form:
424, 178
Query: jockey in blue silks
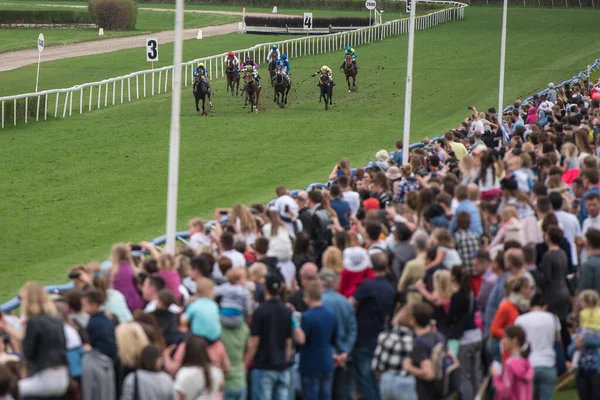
285, 64
202, 72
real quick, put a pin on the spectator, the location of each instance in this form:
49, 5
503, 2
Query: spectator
373, 301
73, 298
234, 299
414, 270
198, 236
457, 148
403, 251
349, 195
590, 269
467, 242
542, 329
393, 346
590, 181
114, 301
198, 377
227, 242
483, 268
408, 183
346, 334
567, 222
308, 273
270, 341
515, 380
397, 155
592, 205
131, 340
446, 253
378, 192
202, 314
333, 259
123, 276
152, 286
100, 329
167, 271
167, 320
316, 357
149, 382
235, 341
319, 224
357, 269
340, 206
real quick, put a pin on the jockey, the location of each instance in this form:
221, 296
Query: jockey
231, 57
251, 66
325, 70
350, 52
275, 50
285, 64
202, 72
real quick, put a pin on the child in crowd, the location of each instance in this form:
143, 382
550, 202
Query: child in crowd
515, 380
167, 271
198, 237
446, 253
570, 152
589, 319
234, 299
257, 273
511, 229
357, 269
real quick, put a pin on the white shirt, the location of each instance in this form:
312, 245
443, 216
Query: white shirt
151, 307
190, 381
570, 226
197, 239
353, 200
540, 329
237, 258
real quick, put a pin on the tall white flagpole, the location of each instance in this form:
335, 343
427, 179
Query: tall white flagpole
409, 73
174, 143
502, 60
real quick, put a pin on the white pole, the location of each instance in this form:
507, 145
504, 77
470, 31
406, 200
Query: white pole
37, 78
174, 144
409, 72
502, 60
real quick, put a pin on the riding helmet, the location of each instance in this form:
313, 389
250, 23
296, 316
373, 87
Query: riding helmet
201, 64
274, 47
324, 68
284, 56
348, 48
231, 54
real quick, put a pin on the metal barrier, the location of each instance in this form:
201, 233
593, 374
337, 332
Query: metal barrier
141, 84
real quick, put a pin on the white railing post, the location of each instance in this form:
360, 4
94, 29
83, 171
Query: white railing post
70, 104
89, 103
166, 80
15, 111
65, 106
159, 80
144, 85
45, 106
26, 110
80, 102
114, 92
99, 95
58, 96
137, 87
37, 110
106, 95
3, 114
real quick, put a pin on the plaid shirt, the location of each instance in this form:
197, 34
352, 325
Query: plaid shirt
467, 244
392, 347
405, 186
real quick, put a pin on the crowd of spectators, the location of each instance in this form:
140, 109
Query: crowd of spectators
473, 271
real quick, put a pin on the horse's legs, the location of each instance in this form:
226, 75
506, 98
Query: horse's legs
354, 80
197, 99
331, 97
287, 93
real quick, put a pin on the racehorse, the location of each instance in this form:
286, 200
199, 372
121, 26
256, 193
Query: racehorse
252, 91
271, 67
326, 85
201, 91
233, 77
281, 86
350, 70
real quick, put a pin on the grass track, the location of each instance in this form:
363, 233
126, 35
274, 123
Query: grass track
71, 188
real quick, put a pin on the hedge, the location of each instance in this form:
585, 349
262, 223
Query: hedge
44, 17
297, 22
9, 105
309, 4
113, 14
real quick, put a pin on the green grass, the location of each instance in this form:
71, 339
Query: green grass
147, 22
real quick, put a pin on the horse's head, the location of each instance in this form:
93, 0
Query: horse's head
248, 78
348, 59
274, 57
325, 78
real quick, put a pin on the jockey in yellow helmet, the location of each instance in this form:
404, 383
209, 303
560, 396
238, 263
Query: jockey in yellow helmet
324, 71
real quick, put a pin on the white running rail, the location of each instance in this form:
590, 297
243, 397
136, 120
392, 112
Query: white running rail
95, 95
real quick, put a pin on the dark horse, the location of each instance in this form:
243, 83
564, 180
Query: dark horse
201, 91
271, 67
350, 70
281, 87
233, 77
326, 86
252, 91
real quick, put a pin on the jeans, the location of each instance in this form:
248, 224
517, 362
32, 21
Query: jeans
544, 379
235, 394
588, 385
342, 383
317, 387
469, 356
397, 387
363, 375
270, 385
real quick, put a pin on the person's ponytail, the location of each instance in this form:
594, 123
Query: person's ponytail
525, 350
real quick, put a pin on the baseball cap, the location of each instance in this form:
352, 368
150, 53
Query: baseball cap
273, 283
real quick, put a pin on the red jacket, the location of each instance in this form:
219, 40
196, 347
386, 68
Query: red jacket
350, 281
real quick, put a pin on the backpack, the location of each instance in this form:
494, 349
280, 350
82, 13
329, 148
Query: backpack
446, 367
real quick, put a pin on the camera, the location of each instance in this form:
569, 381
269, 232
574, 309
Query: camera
74, 275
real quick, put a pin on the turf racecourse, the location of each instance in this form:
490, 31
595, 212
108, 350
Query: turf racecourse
70, 188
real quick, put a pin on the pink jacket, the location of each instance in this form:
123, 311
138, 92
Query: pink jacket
516, 380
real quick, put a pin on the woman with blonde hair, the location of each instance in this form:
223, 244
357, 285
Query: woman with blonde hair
582, 140
280, 245
131, 340
332, 259
44, 345
243, 221
123, 274
467, 168
341, 169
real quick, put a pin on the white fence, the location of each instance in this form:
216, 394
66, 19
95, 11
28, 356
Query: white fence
95, 95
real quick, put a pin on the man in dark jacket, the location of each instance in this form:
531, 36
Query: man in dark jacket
319, 229
100, 329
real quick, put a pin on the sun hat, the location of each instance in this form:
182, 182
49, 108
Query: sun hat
393, 173
356, 259
382, 155
545, 106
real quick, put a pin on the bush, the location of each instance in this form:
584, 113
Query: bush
113, 15
44, 17
297, 22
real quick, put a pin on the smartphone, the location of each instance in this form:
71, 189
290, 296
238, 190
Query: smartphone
74, 275
286, 209
223, 212
298, 318
136, 247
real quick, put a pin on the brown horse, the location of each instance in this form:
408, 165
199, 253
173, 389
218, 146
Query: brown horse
271, 67
252, 91
350, 70
233, 77
281, 87
201, 91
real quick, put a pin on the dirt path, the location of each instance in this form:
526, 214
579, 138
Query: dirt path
16, 59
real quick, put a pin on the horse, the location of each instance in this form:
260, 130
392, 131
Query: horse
272, 66
252, 91
201, 91
350, 70
281, 86
233, 77
326, 86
